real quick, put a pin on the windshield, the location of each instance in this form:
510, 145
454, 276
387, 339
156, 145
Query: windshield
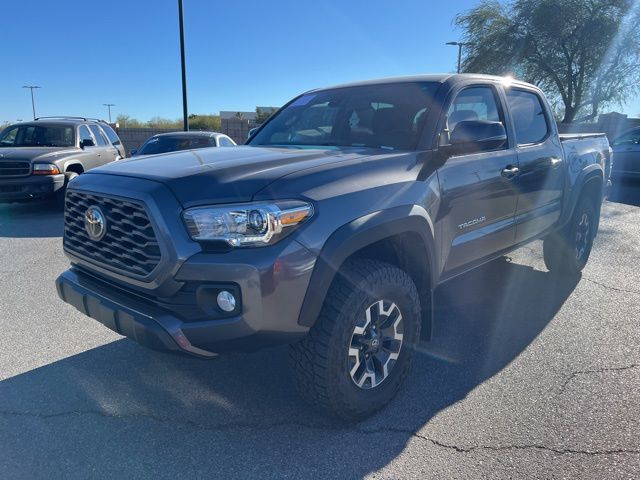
387, 116
37, 136
166, 144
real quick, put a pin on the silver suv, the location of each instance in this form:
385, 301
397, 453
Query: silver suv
39, 158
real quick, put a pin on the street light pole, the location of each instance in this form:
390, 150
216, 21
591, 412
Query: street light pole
185, 113
109, 105
459, 45
33, 102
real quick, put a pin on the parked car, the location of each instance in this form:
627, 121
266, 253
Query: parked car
175, 141
626, 149
39, 158
332, 228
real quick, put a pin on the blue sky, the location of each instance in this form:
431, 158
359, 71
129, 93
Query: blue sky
239, 54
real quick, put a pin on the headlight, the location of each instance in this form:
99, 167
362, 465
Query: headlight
45, 169
243, 225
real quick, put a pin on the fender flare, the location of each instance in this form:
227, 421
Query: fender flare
593, 172
354, 236
70, 162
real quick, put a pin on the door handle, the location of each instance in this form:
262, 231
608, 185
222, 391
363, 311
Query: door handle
510, 171
555, 162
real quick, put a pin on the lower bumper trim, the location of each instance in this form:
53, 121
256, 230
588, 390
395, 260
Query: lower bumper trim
136, 324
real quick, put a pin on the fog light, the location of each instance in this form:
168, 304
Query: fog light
226, 301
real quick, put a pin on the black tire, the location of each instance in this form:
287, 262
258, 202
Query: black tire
60, 194
567, 251
323, 362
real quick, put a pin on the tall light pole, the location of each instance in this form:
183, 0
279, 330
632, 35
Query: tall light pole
459, 45
33, 102
185, 113
109, 105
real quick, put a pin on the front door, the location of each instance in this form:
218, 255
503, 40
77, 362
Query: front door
478, 192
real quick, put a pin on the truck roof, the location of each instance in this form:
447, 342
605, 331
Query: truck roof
436, 77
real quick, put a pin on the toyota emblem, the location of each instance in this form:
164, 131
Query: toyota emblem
95, 223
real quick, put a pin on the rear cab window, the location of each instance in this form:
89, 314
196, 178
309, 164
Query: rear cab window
529, 116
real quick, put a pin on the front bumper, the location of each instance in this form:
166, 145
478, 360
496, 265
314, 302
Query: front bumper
34, 186
271, 291
25, 188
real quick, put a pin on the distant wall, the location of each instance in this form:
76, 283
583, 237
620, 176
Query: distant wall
613, 124
237, 129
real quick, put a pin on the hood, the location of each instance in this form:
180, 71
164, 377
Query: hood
223, 175
33, 153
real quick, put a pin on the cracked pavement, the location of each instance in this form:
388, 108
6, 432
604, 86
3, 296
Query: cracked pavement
529, 375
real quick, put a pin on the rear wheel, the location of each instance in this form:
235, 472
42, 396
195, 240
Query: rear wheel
568, 250
358, 353
60, 194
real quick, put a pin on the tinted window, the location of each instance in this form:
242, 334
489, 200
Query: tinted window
474, 103
387, 116
37, 136
84, 133
225, 142
97, 133
629, 138
164, 144
111, 135
529, 117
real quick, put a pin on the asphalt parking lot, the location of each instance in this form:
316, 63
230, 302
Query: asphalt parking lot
529, 375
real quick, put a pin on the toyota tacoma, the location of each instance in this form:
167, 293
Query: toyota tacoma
332, 227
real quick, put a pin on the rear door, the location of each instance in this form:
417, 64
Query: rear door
478, 199
91, 155
114, 139
541, 161
104, 151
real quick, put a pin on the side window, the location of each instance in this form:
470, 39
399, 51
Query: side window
97, 133
111, 135
225, 142
473, 103
528, 115
629, 138
85, 134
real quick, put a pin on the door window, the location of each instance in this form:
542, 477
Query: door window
85, 134
629, 138
474, 103
111, 135
225, 142
529, 118
100, 138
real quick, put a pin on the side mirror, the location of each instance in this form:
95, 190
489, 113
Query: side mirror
251, 132
133, 152
86, 142
471, 136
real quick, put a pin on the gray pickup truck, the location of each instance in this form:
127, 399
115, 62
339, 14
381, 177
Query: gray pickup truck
332, 227
38, 159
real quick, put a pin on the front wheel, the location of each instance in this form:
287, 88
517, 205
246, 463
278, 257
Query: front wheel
358, 353
568, 250
60, 194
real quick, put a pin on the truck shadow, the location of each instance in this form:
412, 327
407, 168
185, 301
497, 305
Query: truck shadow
122, 411
35, 219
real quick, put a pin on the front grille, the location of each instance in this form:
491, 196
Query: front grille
14, 169
129, 245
